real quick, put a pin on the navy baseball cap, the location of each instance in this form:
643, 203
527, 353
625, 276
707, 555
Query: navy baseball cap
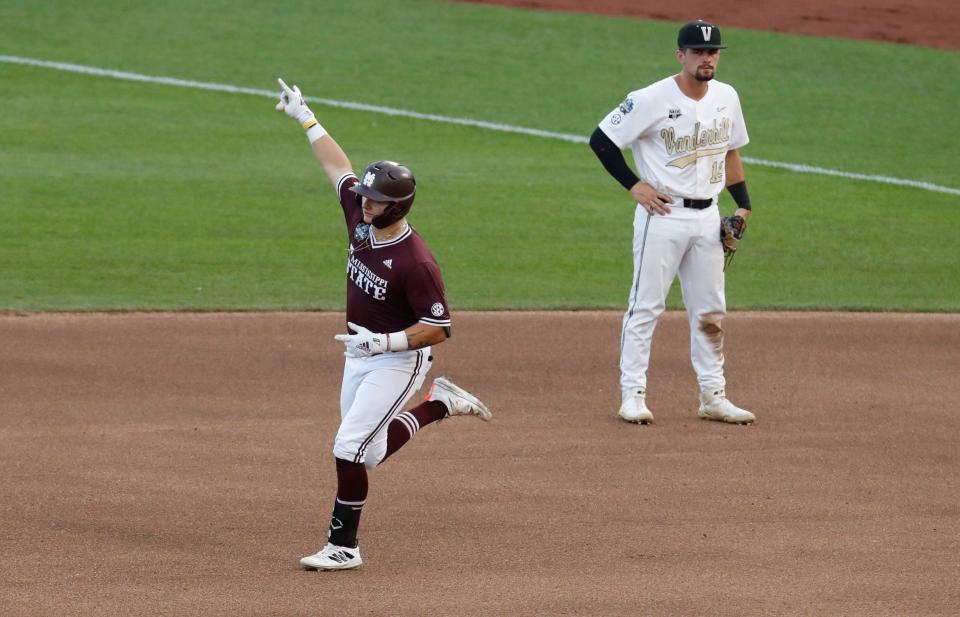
699, 35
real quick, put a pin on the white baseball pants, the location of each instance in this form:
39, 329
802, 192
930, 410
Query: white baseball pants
685, 242
374, 391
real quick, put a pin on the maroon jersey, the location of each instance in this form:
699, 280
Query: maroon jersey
391, 284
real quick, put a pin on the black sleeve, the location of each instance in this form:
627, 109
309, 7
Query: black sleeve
739, 193
612, 159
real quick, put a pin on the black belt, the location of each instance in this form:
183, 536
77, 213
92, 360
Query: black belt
697, 204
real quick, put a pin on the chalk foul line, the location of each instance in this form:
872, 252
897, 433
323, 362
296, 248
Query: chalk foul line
492, 126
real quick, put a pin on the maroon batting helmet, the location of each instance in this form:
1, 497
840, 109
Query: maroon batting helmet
391, 183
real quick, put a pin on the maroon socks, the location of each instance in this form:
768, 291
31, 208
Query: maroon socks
407, 423
351, 495
352, 477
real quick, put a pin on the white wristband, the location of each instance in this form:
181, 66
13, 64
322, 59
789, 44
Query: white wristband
397, 341
314, 130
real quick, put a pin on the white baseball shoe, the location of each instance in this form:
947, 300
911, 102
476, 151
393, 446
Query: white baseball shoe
634, 407
333, 557
714, 405
459, 402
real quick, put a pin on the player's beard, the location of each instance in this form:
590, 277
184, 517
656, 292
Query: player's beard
703, 75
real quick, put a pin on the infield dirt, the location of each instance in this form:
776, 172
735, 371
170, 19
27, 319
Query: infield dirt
180, 464
932, 23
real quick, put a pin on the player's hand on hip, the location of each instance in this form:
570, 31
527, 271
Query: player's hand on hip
363, 344
652, 200
292, 103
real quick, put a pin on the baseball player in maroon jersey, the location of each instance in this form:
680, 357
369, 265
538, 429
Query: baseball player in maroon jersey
396, 311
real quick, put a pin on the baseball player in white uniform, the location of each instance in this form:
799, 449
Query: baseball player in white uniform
396, 310
685, 132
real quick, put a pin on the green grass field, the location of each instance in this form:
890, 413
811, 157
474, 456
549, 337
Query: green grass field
127, 195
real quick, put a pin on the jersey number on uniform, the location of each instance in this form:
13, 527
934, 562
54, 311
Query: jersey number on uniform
717, 173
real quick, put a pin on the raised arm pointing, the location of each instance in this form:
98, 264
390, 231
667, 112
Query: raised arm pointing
328, 152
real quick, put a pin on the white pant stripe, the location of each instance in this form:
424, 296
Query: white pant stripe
393, 408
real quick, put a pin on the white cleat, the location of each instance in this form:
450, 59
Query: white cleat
459, 402
634, 407
714, 405
333, 557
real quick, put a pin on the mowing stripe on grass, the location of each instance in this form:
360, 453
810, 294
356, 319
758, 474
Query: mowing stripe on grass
493, 126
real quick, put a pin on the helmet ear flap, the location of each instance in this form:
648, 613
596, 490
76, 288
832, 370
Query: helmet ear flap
392, 213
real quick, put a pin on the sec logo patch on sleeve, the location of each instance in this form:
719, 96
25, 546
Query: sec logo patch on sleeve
437, 310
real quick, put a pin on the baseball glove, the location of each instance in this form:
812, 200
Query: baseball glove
731, 230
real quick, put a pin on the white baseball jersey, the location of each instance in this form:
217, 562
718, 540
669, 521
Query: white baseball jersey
679, 145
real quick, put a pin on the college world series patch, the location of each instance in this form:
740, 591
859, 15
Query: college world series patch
362, 232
